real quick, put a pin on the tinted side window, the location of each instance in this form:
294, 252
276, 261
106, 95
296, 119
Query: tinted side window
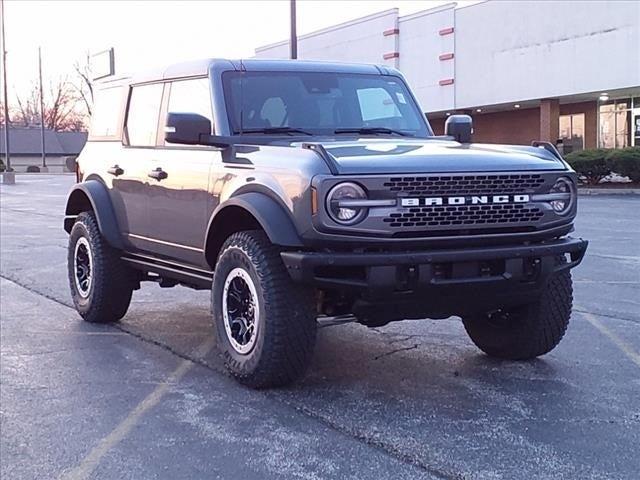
191, 96
105, 117
142, 119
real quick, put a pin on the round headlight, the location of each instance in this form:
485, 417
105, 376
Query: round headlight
338, 196
562, 206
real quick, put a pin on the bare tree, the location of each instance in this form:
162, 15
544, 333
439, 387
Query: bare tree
63, 109
83, 83
27, 113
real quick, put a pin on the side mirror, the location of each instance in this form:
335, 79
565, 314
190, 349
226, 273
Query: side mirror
186, 128
460, 127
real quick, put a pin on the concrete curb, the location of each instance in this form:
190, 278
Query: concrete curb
608, 191
45, 173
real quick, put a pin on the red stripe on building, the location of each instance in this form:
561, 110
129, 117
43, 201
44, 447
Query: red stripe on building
389, 56
446, 56
446, 31
391, 31
446, 81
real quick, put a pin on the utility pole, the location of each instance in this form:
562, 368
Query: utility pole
293, 42
7, 178
44, 155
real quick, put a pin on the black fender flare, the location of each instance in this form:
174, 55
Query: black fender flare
271, 216
93, 195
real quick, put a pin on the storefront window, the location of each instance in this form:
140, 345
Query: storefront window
572, 132
619, 123
607, 126
623, 129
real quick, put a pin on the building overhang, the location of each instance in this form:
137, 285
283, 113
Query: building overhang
535, 103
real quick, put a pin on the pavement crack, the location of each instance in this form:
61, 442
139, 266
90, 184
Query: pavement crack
31, 212
613, 317
392, 352
47, 352
115, 326
375, 443
405, 338
31, 289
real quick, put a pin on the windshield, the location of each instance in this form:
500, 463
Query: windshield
310, 103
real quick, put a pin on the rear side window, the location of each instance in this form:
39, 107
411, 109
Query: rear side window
142, 117
105, 117
190, 96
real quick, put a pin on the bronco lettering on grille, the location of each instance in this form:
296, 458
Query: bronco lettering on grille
466, 200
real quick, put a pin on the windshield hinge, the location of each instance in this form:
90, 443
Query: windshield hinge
326, 156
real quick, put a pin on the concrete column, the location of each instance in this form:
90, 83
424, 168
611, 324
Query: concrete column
549, 120
591, 126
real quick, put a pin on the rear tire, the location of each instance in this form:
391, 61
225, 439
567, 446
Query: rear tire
527, 331
101, 283
265, 324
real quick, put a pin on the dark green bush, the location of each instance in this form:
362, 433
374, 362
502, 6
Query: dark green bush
626, 161
592, 164
70, 163
33, 169
1, 165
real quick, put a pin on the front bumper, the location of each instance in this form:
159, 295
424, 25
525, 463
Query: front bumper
391, 272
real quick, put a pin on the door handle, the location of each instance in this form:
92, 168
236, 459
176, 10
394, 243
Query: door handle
115, 171
158, 174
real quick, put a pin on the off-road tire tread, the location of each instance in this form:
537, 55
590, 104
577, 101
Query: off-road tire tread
112, 283
538, 327
288, 316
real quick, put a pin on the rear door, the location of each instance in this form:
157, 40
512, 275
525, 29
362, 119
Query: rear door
180, 204
129, 170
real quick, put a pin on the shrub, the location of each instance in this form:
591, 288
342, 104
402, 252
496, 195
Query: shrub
626, 161
1, 165
33, 169
592, 164
70, 163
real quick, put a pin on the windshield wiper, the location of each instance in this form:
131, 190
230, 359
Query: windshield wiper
276, 130
373, 130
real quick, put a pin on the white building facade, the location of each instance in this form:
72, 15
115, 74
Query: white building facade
525, 70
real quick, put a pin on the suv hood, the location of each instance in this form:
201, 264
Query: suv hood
377, 156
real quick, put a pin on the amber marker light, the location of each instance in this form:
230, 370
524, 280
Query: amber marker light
314, 201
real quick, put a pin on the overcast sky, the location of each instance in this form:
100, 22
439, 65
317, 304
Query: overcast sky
149, 33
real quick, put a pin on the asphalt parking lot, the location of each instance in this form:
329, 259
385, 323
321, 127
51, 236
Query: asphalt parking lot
149, 398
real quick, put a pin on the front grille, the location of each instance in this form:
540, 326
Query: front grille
466, 184
447, 216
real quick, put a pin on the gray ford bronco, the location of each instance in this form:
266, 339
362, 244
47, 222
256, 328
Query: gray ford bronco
300, 191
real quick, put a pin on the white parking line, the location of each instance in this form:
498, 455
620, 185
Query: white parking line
92, 460
621, 344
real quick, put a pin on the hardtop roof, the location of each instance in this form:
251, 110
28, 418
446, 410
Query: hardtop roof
202, 67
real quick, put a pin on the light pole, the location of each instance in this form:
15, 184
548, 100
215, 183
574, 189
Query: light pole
8, 175
44, 155
293, 42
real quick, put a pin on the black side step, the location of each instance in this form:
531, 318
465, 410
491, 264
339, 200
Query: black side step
186, 274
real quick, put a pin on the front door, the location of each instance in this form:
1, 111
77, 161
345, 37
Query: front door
180, 203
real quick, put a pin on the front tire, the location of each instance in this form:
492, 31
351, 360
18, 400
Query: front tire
100, 282
527, 331
265, 323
